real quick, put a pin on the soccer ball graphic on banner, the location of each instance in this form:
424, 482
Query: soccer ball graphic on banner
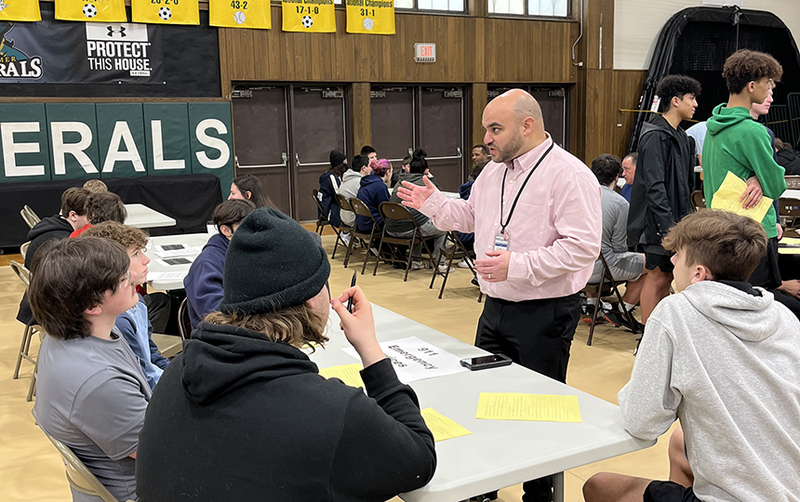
164, 13
307, 21
89, 10
239, 17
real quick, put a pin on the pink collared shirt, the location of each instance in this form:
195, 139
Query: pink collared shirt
554, 233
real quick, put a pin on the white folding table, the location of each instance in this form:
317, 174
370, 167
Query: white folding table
498, 453
179, 271
141, 216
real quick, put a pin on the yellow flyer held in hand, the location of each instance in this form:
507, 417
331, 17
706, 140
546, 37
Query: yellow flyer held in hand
727, 198
240, 14
165, 11
316, 16
96, 11
370, 16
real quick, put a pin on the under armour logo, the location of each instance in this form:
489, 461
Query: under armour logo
111, 31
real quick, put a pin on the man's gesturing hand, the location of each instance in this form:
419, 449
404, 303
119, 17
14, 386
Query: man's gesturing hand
414, 195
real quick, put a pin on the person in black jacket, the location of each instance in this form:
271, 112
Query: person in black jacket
72, 217
787, 158
661, 193
329, 183
243, 414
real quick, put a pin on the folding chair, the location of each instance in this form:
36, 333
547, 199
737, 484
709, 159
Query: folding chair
169, 346
698, 200
31, 214
23, 249
31, 222
613, 285
456, 251
27, 334
398, 212
184, 323
80, 478
344, 204
368, 239
322, 219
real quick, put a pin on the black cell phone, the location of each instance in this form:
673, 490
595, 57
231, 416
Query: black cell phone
484, 362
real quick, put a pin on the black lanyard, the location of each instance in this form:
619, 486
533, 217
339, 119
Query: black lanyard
503, 191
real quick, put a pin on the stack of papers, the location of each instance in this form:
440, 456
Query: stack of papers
727, 198
533, 407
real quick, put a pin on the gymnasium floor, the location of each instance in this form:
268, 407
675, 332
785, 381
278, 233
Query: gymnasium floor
31, 469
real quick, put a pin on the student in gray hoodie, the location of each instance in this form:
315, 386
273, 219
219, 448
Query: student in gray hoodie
724, 358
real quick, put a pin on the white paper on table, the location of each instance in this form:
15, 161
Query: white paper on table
165, 276
177, 260
173, 253
414, 359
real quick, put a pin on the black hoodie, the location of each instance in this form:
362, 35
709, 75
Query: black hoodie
51, 227
237, 417
660, 195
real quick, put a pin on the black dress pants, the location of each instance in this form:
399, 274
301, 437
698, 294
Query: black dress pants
536, 334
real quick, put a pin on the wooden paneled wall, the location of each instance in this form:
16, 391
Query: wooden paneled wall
468, 49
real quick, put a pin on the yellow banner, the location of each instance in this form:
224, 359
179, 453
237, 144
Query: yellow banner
240, 14
17, 10
165, 11
370, 16
316, 16
106, 11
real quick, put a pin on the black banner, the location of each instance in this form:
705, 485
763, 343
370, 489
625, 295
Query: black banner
59, 52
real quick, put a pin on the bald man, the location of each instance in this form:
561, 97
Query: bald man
535, 210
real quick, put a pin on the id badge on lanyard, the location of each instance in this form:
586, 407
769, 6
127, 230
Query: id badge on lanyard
501, 241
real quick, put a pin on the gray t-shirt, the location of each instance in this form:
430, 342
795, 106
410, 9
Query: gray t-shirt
624, 265
91, 395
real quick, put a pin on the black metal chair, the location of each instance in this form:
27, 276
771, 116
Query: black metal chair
698, 200
322, 219
344, 205
184, 323
456, 250
368, 238
613, 286
398, 212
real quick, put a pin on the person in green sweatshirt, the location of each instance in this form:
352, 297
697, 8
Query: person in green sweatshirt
737, 143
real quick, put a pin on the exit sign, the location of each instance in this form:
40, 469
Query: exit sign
425, 53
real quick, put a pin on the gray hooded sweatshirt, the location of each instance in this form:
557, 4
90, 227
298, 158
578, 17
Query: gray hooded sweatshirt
351, 182
727, 363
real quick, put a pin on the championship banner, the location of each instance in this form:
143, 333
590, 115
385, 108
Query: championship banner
240, 14
317, 16
165, 11
17, 10
55, 52
97, 11
370, 16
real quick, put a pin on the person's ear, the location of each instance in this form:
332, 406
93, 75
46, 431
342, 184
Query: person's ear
96, 310
701, 273
249, 195
528, 124
674, 102
72, 216
226, 230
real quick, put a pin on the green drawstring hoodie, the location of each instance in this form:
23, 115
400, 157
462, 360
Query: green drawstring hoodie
737, 143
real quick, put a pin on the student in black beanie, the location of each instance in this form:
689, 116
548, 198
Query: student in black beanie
242, 413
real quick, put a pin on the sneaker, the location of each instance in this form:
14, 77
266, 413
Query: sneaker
463, 263
587, 315
374, 251
345, 238
418, 265
618, 318
443, 268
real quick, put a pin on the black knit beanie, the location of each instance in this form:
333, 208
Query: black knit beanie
337, 158
272, 263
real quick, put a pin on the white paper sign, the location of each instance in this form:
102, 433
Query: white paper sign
414, 359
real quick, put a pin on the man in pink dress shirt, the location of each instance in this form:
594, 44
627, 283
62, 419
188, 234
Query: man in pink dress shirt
536, 214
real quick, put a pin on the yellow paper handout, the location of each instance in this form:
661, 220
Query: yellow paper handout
727, 198
442, 427
347, 373
532, 407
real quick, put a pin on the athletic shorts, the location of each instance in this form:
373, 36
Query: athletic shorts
667, 491
656, 256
